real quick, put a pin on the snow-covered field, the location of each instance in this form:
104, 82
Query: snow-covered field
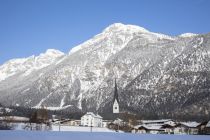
83, 133
49, 135
55, 127
80, 129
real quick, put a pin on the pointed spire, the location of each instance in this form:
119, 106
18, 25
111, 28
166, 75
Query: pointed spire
115, 92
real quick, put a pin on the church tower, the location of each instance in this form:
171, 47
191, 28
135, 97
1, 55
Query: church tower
116, 100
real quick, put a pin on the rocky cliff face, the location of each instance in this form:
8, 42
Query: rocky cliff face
155, 73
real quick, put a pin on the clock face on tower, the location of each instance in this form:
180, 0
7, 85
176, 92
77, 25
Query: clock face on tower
116, 106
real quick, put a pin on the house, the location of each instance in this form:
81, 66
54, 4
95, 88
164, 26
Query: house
113, 126
180, 129
77, 122
90, 119
155, 126
171, 127
118, 121
201, 127
139, 129
106, 122
206, 129
116, 124
55, 118
193, 127
152, 129
71, 122
187, 128
168, 129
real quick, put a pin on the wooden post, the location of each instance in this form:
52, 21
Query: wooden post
91, 126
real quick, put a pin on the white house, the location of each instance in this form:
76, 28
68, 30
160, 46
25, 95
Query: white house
90, 119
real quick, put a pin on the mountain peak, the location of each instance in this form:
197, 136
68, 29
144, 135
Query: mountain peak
124, 27
116, 29
53, 52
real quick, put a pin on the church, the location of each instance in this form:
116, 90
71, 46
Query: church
116, 108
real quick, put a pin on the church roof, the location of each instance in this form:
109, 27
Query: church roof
115, 92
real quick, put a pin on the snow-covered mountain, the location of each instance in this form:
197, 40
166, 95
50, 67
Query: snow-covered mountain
28, 65
156, 74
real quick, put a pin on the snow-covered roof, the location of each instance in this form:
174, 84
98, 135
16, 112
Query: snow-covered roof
208, 124
149, 127
98, 116
117, 121
155, 121
90, 113
171, 123
93, 115
190, 124
153, 127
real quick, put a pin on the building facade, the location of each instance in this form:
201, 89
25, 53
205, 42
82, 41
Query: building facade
90, 119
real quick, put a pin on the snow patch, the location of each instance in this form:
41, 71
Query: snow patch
187, 35
40, 103
62, 101
58, 108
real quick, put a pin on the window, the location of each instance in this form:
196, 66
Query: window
115, 108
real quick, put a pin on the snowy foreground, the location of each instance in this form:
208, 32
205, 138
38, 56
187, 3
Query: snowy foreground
49, 135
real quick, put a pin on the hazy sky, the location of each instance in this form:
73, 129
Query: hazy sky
30, 27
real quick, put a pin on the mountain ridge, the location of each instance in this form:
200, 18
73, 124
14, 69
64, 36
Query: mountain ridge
150, 68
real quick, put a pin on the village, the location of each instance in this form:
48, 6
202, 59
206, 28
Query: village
164, 126
93, 122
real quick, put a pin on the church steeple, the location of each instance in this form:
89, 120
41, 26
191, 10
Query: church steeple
116, 100
115, 92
